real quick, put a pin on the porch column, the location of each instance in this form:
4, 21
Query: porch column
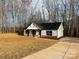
37, 33
40, 33
24, 32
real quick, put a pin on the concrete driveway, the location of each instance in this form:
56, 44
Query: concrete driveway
64, 49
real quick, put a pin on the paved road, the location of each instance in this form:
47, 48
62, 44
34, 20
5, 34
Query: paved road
61, 50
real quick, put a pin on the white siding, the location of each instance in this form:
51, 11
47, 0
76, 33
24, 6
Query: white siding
60, 31
43, 33
33, 26
37, 33
54, 32
24, 32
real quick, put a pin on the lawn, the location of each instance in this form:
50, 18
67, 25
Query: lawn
13, 46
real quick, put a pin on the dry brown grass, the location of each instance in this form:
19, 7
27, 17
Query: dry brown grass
13, 46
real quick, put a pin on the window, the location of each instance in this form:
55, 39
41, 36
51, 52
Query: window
49, 33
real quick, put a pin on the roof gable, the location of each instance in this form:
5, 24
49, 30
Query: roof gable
33, 26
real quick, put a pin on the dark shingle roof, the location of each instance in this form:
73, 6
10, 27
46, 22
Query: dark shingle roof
49, 26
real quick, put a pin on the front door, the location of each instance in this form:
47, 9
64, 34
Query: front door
33, 33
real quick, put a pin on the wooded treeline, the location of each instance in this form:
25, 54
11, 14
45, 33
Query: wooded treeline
13, 14
17, 14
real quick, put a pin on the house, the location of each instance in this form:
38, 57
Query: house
54, 30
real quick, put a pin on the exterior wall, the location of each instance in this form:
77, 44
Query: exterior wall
24, 32
60, 31
37, 33
43, 33
54, 32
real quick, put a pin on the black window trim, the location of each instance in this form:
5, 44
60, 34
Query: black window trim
49, 33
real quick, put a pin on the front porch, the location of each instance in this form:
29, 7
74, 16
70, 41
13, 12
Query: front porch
34, 33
